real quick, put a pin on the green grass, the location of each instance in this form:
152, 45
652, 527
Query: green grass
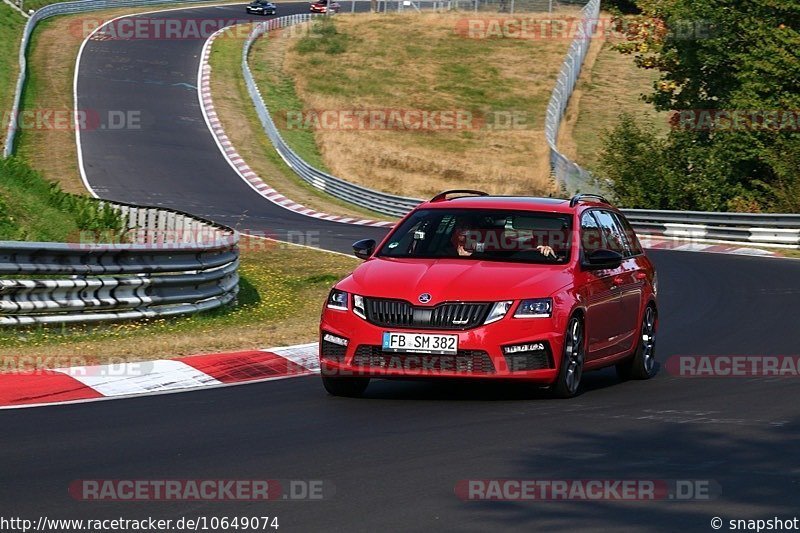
279, 93
11, 25
36, 4
34, 209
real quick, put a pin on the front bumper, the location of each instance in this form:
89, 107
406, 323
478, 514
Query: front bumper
480, 351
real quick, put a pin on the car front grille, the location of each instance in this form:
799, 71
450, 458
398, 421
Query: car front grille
447, 316
465, 361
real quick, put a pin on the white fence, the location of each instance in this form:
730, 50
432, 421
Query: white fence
568, 174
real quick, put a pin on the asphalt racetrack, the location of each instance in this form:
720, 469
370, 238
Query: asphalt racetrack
171, 159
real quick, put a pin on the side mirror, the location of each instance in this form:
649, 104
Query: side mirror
364, 248
603, 258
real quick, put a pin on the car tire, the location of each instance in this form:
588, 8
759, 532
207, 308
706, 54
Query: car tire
348, 387
568, 381
642, 364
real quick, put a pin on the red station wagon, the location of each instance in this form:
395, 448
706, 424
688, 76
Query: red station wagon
469, 285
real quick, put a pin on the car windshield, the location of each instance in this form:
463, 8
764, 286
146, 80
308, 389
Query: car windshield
482, 234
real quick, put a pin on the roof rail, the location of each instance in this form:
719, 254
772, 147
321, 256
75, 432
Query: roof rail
442, 196
580, 196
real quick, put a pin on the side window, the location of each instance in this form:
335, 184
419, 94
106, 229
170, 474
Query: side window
630, 235
613, 236
591, 235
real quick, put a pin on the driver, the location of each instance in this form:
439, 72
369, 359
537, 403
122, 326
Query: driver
465, 247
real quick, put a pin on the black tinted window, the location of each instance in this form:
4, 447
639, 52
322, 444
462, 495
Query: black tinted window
613, 237
591, 235
630, 235
482, 234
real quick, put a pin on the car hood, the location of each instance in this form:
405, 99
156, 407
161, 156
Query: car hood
455, 279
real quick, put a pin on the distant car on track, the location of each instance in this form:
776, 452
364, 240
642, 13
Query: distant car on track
469, 285
261, 7
325, 6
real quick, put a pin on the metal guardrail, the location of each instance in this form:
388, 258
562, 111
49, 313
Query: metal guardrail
174, 264
377, 201
777, 230
52, 10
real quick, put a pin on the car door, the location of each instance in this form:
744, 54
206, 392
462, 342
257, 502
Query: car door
601, 294
635, 280
627, 286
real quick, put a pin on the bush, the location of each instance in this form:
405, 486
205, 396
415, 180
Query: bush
646, 171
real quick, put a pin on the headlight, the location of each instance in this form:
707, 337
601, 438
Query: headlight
535, 308
498, 311
337, 300
358, 306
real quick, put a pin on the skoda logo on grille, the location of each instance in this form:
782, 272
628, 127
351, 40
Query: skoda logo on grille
424, 298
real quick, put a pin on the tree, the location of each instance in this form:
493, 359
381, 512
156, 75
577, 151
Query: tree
720, 59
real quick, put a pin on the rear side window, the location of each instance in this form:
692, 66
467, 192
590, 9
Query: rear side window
591, 234
613, 236
630, 235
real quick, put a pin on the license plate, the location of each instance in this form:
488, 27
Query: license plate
420, 343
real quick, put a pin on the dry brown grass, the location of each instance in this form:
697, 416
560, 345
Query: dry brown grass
242, 126
414, 61
51, 65
610, 84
